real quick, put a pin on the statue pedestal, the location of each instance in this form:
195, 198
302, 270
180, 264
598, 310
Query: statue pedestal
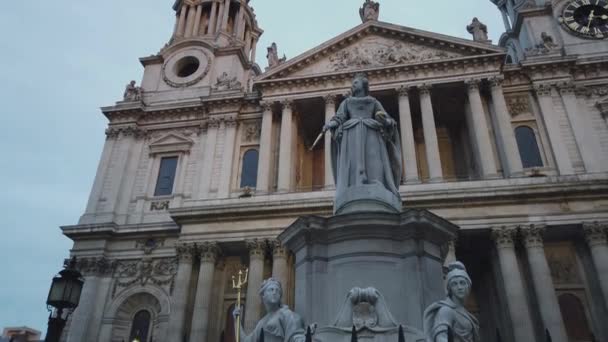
398, 254
367, 198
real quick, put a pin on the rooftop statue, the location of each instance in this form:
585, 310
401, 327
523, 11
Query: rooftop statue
450, 312
369, 11
273, 56
132, 92
280, 324
366, 153
479, 31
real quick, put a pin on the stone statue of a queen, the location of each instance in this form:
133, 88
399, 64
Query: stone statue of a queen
366, 154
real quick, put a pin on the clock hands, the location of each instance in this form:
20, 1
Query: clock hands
590, 19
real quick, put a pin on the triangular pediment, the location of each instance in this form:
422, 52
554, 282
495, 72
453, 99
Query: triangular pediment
375, 45
170, 143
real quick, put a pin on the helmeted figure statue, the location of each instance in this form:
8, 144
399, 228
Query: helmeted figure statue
366, 154
280, 324
450, 312
369, 11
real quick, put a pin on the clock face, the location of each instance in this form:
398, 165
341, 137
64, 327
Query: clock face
587, 18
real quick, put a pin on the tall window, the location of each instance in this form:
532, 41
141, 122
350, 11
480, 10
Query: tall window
575, 319
249, 171
166, 176
140, 326
528, 147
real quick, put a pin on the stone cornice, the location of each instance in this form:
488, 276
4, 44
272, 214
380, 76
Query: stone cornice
112, 230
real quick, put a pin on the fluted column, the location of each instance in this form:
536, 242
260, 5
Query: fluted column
224, 21
265, 161
279, 263
181, 26
197, 20
513, 283
479, 127
560, 152
230, 125
408, 145
595, 234
208, 158
200, 318
587, 143
185, 254
543, 283
254, 46
286, 148
213, 18
330, 111
430, 134
190, 21
505, 133
253, 307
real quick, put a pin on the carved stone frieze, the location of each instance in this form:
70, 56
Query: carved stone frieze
149, 245
593, 91
96, 266
160, 272
533, 235
595, 233
371, 53
504, 236
126, 131
252, 132
209, 251
518, 105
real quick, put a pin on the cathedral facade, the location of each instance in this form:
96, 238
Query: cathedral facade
209, 160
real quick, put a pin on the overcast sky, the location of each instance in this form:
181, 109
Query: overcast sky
62, 60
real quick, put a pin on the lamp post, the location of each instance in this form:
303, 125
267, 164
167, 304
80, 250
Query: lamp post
63, 298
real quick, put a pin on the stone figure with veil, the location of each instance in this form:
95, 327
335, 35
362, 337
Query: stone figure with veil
366, 154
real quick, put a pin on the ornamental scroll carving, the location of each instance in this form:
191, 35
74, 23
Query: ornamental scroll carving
160, 272
518, 105
380, 53
252, 132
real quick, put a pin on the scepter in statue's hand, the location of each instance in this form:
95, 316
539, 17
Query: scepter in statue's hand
237, 284
330, 125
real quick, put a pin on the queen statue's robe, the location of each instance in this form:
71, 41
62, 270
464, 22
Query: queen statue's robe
282, 325
366, 157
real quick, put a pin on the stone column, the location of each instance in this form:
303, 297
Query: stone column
286, 148
190, 21
225, 15
181, 26
330, 111
200, 319
586, 141
543, 283
265, 161
197, 20
560, 152
230, 125
280, 271
254, 46
480, 130
185, 254
430, 135
82, 317
213, 18
504, 132
208, 158
595, 234
513, 283
253, 306
408, 145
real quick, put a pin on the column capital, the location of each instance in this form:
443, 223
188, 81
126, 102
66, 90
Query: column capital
424, 88
543, 89
287, 103
473, 84
278, 250
213, 123
257, 248
496, 81
230, 121
266, 105
566, 88
504, 236
208, 251
595, 233
330, 99
532, 234
404, 90
185, 251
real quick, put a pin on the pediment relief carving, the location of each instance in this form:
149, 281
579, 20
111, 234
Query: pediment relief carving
170, 143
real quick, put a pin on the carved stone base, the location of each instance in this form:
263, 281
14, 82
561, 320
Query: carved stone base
398, 254
367, 198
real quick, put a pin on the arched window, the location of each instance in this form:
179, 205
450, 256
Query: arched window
140, 326
528, 147
249, 170
575, 319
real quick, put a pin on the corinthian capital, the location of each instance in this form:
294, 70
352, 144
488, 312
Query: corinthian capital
473, 84
209, 251
504, 236
424, 89
257, 248
278, 250
533, 235
330, 99
496, 81
185, 251
404, 90
595, 233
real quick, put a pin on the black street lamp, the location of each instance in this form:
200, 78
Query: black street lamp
63, 298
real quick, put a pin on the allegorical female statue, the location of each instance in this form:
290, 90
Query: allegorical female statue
366, 154
279, 324
450, 312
